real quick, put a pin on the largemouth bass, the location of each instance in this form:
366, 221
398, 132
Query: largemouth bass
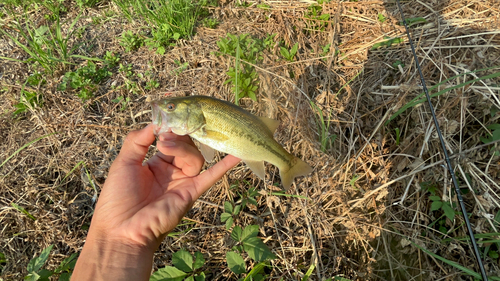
223, 126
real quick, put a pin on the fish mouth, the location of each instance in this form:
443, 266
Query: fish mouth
160, 120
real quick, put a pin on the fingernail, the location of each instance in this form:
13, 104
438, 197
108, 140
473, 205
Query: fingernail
167, 143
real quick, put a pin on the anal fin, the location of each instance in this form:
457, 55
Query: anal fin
257, 167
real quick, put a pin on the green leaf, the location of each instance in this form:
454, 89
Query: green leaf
436, 205
67, 264
493, 254
381, 18
45, 274
183, 260
308, 273
65, 276
284, 52
199, 260
229, 223
236, 233
254, 274
235, 262
448, 211
496, 135
435, 198
168, 273
257, 250
225, 216
36, 263
190, 278
228, 207
200, 277
250, 231
237, 210
493, 126
294, 50
32, 277
21, 209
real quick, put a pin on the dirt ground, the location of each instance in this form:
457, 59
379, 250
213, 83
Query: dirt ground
369, 192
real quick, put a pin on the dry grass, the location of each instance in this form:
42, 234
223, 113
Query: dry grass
349, 228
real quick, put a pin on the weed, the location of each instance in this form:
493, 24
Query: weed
3, 261
438, 205
23, 210
325, 138
28, 99
229, 212
126, 69
494, 135
23, 147
247, 241
84, 80
132, 86
398, 134
289, 54
264, 6
111, 59
325, 49
210, 22
413, 21
46, 45
170, 20
131, 41
398, 63
315, 19
242, 77
387, 43
151, 84
185, 267
36, 80
86, 3
269, 41
124, 102
381, 18
64, 270
181, 67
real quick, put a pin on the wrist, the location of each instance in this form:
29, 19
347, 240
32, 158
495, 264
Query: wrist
113, 259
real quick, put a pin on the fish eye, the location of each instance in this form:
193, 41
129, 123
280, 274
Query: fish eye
170, 107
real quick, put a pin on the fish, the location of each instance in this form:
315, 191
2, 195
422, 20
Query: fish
220, 125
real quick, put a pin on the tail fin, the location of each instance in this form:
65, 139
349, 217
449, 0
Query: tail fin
299, 168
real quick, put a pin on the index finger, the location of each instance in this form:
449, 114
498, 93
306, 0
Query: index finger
208, 178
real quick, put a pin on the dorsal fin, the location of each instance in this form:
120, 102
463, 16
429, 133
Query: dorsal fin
270, 123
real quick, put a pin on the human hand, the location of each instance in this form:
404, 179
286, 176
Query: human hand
140, 203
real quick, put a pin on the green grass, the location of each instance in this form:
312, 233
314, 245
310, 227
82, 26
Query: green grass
48, 45
169, 20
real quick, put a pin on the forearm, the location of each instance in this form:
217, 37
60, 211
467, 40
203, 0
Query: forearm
112, 260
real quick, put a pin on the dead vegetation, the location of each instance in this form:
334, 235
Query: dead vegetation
369, 196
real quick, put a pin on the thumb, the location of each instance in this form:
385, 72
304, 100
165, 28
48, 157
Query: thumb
135, 147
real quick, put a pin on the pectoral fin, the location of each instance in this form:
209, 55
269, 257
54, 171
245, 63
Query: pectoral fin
207, 152
217, 136
270, 123
257, 167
